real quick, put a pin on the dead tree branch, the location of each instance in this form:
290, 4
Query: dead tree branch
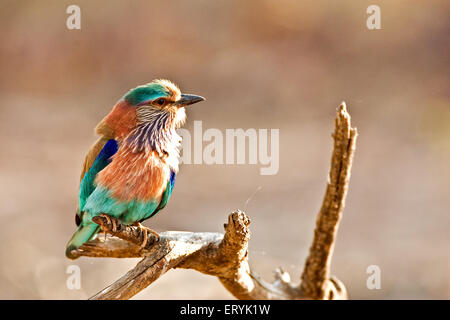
226, 255
316, 282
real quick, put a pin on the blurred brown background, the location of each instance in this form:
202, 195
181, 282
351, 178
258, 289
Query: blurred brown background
260, 64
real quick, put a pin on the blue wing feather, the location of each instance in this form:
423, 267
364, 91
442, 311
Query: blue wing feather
101, 161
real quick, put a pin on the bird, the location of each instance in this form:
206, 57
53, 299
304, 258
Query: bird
129, 172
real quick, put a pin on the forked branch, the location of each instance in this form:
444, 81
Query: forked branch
226, 255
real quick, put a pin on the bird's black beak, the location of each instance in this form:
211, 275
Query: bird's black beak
188, 99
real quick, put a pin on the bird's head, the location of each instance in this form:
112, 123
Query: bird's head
160, 99
146, 117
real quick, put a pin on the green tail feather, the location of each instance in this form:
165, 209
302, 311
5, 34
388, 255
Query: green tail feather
84, 233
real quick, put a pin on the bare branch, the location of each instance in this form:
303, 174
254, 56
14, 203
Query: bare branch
110, 247
316, 282
226, 256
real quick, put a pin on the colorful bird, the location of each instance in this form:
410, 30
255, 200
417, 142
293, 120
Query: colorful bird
129, 173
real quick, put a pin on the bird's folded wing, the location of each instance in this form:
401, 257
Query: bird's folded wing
98, 157
92, 154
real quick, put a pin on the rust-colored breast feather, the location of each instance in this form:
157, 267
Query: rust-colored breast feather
135, 176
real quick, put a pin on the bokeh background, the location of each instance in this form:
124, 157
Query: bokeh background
261, 64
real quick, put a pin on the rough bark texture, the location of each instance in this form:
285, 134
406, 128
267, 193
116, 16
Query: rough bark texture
226, 255
316, 273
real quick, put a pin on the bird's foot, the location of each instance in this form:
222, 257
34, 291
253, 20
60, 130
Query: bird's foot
110, 221
145, 231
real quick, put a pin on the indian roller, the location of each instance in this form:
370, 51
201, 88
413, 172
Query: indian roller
129, 173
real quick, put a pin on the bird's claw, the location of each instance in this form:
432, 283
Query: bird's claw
145, 232
144, 242
110, 221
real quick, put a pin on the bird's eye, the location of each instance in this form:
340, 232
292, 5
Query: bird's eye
160, 101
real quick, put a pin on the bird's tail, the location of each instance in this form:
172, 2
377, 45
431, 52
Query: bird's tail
84, 233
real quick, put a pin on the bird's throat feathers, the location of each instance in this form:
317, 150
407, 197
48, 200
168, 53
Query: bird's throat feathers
156, 131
